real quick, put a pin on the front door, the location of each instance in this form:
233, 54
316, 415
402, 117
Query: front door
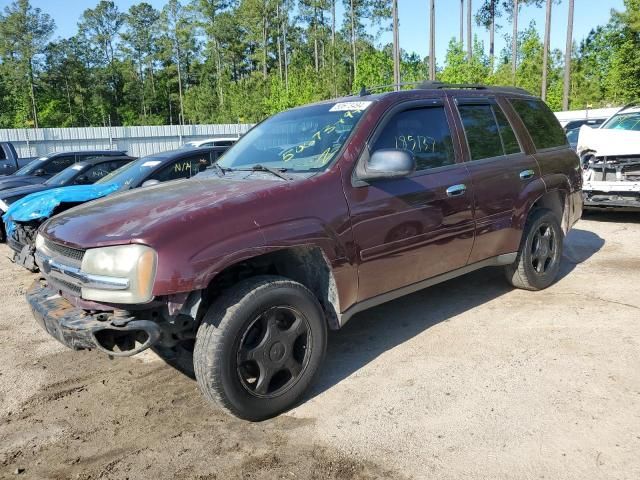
413, 228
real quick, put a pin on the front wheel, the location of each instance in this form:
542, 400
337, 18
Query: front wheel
259, 347
538, 261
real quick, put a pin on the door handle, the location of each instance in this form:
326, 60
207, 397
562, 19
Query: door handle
526, 174
456, 190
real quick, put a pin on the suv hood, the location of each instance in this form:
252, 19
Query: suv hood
145, 215
13, 194
608, 142
12, 181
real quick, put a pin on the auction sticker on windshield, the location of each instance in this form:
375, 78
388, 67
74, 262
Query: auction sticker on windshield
349, 106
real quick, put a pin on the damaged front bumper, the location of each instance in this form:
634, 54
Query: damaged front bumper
612, 194
611, 182
22, 242
113, 333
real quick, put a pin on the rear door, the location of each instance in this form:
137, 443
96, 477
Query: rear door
500, 170
413, 228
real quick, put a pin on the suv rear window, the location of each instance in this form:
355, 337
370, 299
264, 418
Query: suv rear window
543, 126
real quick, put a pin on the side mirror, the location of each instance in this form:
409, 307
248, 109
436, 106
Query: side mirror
40, 172
150, 183
388, 163
82, 180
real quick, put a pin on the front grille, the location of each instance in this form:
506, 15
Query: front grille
58, 284
67, 252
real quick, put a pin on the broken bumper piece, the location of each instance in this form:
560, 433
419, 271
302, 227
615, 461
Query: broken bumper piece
612, 195
113, 334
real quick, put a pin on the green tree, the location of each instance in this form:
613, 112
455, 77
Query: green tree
24, 32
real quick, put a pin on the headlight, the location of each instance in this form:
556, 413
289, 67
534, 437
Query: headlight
3, 205
39, 242
134, 263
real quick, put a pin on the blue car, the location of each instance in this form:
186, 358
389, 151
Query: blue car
23, 217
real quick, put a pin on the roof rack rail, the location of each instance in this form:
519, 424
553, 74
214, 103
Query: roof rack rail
430, 84
474, 86
369, 90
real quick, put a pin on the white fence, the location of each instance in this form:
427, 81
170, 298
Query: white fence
137, 141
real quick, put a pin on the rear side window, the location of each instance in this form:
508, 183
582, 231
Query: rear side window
509, 139
481, 130
424, 132
543, 127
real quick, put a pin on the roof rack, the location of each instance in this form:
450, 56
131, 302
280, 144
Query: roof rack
473, 86
435, 85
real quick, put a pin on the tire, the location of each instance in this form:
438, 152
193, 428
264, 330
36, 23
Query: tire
179, 357
259, 347
537, 267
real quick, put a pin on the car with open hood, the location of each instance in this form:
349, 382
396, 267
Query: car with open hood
314, 215
24, 216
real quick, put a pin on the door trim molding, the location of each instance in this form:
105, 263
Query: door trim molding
500, 260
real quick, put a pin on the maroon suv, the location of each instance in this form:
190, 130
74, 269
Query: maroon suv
314, 215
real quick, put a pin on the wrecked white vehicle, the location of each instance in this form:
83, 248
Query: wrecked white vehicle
610, 158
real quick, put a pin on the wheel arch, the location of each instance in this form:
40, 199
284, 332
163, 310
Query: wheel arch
305, 264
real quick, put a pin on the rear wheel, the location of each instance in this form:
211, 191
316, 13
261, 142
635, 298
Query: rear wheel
259, 347
538, 261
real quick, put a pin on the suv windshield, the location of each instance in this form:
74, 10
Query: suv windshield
31, 167
624, 121
134, 172
302, 139
65, 175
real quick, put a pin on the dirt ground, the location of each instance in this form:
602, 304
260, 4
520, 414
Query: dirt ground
468, 379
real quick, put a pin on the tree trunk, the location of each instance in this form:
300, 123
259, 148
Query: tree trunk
315, 38
140, 73
333, 47
264, 47
469, 39
492, 33
279, 43
32, 92
219, 71
432, 40
514, 41
284, 48
396, 46
567, 59
545, 51
353, 39
462, 23
181, 119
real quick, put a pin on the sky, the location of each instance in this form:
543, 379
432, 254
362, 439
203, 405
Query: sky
413, 20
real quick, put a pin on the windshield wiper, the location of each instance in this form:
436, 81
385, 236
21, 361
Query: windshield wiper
279, 172
220, 170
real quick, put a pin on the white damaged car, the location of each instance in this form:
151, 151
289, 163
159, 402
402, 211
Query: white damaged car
610, 158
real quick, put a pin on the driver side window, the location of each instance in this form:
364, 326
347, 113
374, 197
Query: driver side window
422, 131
